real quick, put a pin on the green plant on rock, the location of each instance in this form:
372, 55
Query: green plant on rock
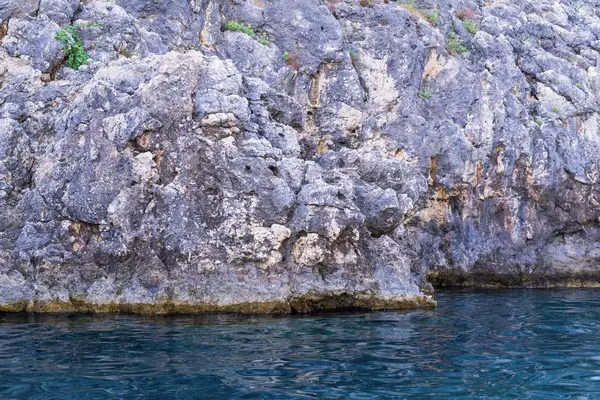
526, 40
555, 110
431, 17
454, 44
470, 26
410, 6
236, 26
291, 60
424, 94
72, 46
434, 17
353, 55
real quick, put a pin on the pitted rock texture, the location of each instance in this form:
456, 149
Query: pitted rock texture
191, 168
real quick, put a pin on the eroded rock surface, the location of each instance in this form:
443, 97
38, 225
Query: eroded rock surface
192, 168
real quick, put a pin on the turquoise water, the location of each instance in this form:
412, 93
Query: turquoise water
527, 344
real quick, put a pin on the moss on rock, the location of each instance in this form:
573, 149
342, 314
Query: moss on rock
487, 279
303, 304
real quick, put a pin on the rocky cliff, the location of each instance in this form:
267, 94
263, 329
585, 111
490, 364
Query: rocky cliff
293, 155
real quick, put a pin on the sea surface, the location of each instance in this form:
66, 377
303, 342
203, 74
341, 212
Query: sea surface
525, 344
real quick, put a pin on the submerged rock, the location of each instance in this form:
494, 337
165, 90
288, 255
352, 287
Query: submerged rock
332, 155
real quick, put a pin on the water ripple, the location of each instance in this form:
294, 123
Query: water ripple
526, 344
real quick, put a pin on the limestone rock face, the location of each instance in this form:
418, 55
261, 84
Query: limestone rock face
335, 159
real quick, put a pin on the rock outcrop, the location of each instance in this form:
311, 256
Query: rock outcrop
316, 154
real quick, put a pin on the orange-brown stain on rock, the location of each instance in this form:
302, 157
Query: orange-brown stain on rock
314, 89
478, 170
76, 227
158, 157
321, 147
578, 124
432, 67
499, 148
143, 141
432, 179
509, 219
400, 154
440, 194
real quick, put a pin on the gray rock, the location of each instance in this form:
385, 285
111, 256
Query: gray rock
34, 38
12, 8
344, 163
59, 11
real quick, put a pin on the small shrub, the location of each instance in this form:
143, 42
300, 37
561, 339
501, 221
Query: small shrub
465, 14
353, 55
235, 26
412, 8
431, 17
454, 44
555, 110
72, 44
291, 60
434, 17
470, 26
332, 6
539, 122
3, 30
424, 94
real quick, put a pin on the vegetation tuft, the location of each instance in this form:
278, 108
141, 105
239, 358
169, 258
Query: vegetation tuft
465, 14
431, 17
454, 44
434, 17
72, 44
424, 94
291, 60
470, 26
236, 26
353, 54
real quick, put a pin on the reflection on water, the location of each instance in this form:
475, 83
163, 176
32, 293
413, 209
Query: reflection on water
527, 344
